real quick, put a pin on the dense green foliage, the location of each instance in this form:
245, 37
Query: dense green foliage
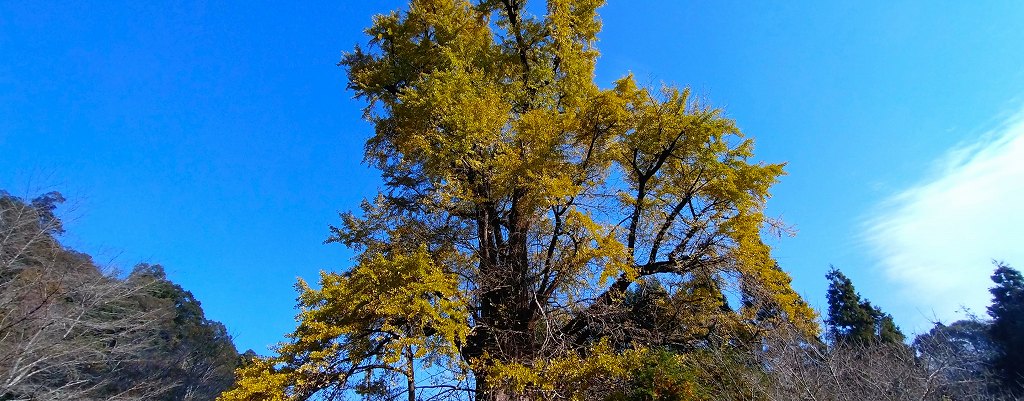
71, 331
851, 319
195, 352
1007, 329
700, 376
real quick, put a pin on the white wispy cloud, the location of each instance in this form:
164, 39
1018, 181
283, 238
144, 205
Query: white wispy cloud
935, 241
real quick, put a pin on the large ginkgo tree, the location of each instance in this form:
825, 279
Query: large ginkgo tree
536, 236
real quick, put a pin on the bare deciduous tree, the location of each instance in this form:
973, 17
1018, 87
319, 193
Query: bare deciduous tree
806, 369
66, 327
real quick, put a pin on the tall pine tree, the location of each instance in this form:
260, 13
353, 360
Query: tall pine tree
853, 320
1007, 329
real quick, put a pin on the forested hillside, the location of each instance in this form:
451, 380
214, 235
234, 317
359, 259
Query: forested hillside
71, 330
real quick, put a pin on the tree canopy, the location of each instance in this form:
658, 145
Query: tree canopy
70, 330
1007, 328
852, 319
520, 203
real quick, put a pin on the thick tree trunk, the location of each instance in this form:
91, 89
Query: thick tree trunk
506, 313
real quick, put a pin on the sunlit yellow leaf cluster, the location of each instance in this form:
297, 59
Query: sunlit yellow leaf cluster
573, 376
386, 309
258, 381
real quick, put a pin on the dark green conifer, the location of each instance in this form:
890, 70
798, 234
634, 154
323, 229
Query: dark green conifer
1007, 328
853, 320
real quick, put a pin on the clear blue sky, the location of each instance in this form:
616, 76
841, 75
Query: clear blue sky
218, 139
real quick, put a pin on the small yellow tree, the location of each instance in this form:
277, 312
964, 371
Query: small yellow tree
521, 204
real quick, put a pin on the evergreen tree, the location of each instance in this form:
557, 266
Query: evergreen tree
888, 332
851, 319
1007, 328
196, 352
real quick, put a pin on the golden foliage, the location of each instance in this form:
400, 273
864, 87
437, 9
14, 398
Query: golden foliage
521, 202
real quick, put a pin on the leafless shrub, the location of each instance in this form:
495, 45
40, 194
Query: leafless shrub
807, 369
